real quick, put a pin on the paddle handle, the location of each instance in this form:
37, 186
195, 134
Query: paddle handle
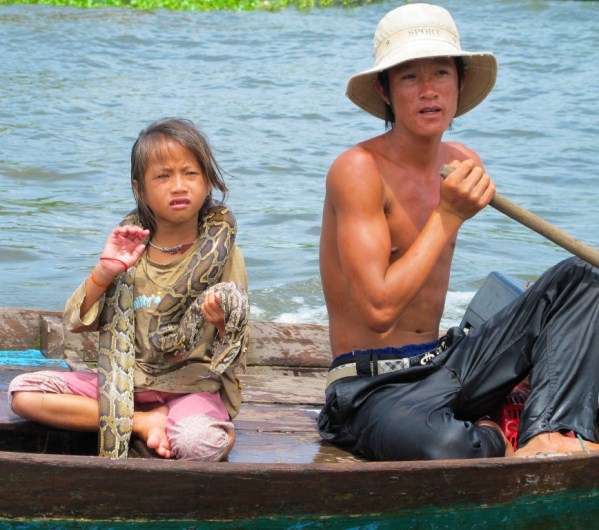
538, 224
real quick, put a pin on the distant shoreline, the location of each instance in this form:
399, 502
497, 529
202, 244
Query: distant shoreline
196, 5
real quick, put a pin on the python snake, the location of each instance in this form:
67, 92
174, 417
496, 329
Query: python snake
174, 330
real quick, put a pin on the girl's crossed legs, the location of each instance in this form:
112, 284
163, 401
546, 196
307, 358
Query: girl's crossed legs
187, 426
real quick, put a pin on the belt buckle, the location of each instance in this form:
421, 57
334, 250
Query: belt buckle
427, 357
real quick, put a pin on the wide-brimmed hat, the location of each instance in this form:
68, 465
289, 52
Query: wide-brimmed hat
418, 31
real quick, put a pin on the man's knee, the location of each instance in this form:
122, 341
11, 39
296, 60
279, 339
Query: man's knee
424, 438
399, 433
414, 435
201, 438
464, 439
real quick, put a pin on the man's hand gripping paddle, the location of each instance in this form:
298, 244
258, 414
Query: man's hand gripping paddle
539, 225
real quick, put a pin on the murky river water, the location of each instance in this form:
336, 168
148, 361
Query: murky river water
76, 86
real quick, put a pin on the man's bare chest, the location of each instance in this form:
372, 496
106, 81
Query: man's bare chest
407, 212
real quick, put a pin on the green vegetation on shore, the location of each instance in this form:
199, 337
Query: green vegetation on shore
195, 5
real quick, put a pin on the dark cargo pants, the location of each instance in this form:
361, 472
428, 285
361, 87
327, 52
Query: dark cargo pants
550, 334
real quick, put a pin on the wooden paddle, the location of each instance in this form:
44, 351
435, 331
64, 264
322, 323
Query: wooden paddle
539, 225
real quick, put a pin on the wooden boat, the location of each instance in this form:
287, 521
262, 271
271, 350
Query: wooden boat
279, 472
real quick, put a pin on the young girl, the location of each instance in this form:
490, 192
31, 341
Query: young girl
168, 298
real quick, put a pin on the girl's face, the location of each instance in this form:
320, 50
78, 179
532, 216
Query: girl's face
174, 186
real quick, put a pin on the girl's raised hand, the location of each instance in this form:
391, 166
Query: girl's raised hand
123, 248
213, 312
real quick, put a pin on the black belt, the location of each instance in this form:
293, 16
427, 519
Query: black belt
369, 364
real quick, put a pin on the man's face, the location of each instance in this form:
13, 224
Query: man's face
424, 95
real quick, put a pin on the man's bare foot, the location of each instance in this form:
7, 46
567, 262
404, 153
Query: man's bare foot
150, 426
509, 450
554, 443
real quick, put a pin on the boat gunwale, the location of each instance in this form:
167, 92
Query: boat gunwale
176, 466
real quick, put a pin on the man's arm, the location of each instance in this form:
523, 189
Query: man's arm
356, 192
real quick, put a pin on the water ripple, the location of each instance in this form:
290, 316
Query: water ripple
76, 87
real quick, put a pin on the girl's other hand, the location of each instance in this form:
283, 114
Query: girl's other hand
123, 248
213, 312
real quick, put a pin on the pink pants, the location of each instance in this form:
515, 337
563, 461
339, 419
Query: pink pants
198, 425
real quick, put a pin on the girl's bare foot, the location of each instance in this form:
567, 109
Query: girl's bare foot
554, 443
150, 426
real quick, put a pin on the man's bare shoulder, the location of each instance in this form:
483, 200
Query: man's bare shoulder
355, 173
458, 151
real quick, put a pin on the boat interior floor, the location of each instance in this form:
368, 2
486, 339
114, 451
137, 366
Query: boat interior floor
276, 432
283, 391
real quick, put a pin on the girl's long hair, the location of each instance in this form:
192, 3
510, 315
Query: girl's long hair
185, 133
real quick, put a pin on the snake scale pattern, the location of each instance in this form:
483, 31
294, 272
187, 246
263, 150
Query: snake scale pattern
175, 329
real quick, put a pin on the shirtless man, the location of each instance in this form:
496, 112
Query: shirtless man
389, 231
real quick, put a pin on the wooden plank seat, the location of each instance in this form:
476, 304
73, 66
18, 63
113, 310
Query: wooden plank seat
282, 388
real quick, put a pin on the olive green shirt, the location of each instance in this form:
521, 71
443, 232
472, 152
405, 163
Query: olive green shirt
154, 370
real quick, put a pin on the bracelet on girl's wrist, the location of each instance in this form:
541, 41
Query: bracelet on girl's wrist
117, 260
96, 282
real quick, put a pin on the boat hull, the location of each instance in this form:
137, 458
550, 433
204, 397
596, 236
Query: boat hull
279, 472
64, 486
